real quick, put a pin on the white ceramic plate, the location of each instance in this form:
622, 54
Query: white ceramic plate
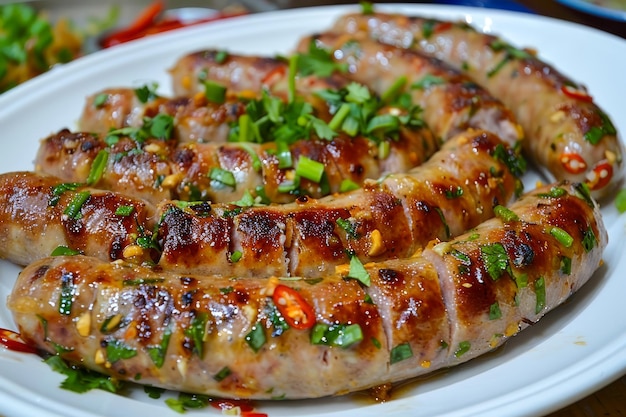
570, 353
609, 9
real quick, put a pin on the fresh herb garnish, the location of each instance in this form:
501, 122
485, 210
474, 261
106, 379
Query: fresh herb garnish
357, 271
495, 259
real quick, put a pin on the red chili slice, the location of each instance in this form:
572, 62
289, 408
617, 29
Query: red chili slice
226, 404
296, 311
573, 163
146, 18
576, 93
12, 341
442, 27
600, 176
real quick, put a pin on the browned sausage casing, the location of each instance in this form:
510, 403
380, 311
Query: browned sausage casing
36, 217
220, 336
157, 169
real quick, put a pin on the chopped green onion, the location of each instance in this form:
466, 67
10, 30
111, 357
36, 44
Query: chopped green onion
117, 350
562, 236
384, 148
348, 185
357, 271
455, 193
589, 239
620, 201
256, 337
401, 352
59, 189
283, 154
235, 256
566, 265
222, 374
505, 214
142, 281
97, 167
73, 208
293, 70
124, 211
348, 227
339, 335
383, 122
223, 176
540, 294
463, 348
396, 88
221, 57
214, 92
427, 81
309, 169
494, 311
339, 117
64, 251
157, 353
100, 100
196, 331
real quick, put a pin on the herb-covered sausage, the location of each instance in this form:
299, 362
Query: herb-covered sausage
567, 134
245, 337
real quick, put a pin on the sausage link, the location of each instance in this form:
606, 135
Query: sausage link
155, 169
195, 118
248, 337
451, 101
40, 213
390, 218
568, 135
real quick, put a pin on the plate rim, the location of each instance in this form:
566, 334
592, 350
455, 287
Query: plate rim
601, 374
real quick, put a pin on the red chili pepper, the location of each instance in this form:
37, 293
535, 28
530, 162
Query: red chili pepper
296, 311
573, 163
442, 27
600, 176
227, 404
273, 76
576, 93
12, 341
145, 19
252, 414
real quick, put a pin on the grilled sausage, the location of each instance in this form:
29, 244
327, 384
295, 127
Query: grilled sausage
448, 109
195, 118
392, 217
249, 337
154, 169
40, 213
450, 100
568, 135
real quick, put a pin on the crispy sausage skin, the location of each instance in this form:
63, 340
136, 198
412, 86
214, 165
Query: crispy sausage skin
156, 169
195, 118
451, 101
450, 106
225, 337
389, 218
568, 135
40, 213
